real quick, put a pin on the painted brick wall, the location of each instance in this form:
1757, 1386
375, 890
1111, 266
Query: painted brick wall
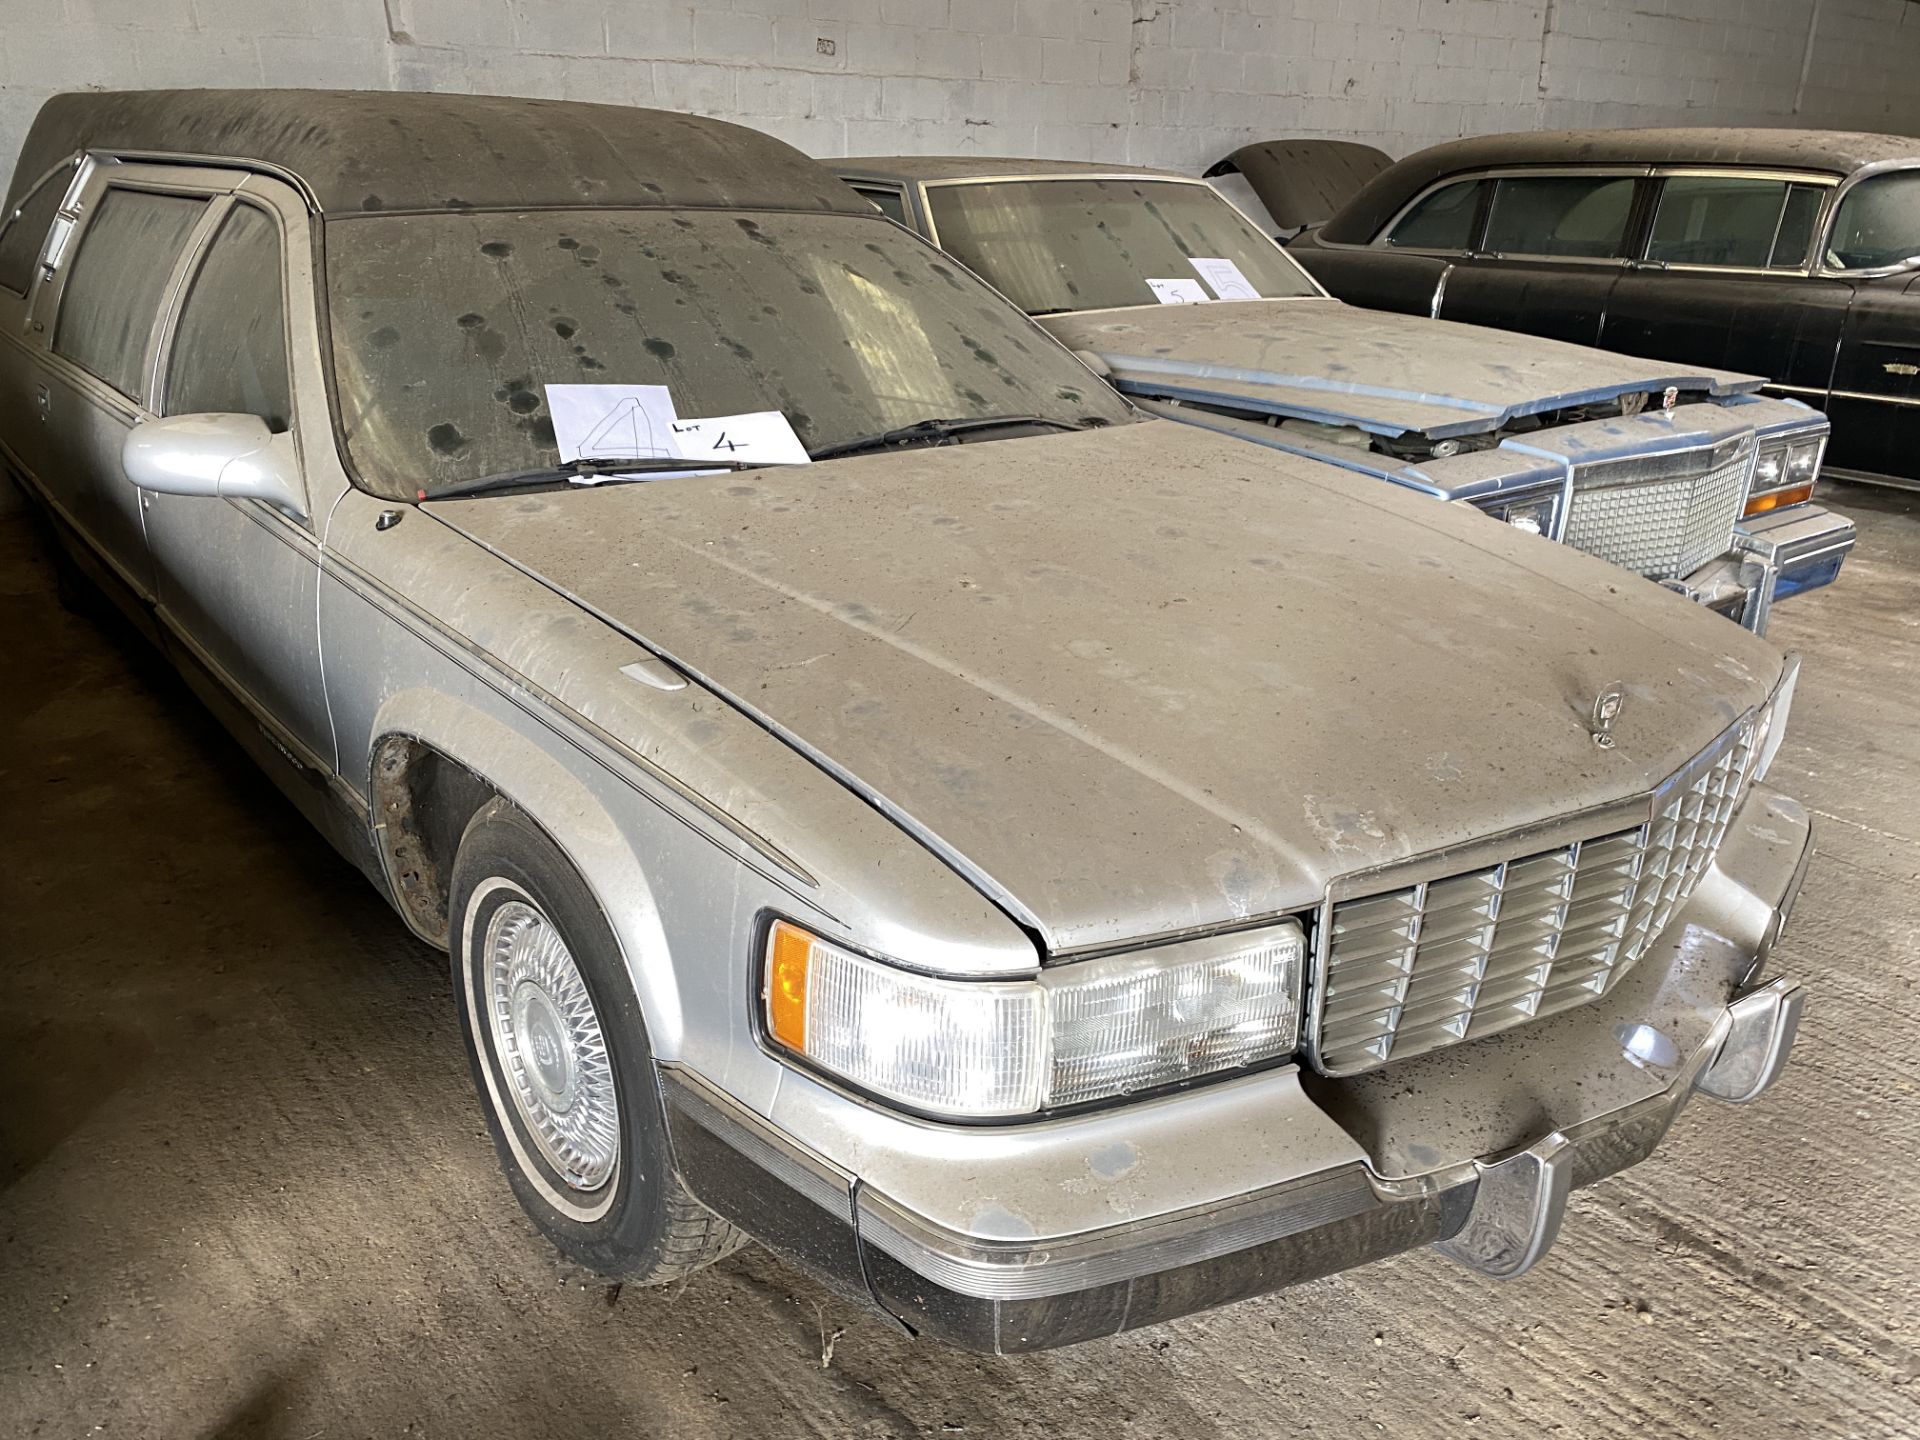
1168, 82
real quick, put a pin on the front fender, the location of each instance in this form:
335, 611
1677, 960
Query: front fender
561, 801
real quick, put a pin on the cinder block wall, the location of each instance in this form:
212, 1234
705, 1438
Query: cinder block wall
1167, 82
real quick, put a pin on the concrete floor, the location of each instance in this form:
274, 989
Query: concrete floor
245, 1191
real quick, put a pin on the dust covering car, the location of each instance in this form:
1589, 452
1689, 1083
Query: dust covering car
1045, 869
1791, 252
1684, 475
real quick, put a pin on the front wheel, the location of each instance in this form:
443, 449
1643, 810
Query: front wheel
560, 1057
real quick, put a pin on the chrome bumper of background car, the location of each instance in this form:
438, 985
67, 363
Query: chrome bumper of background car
1803, 546
1774, 557
1496, 1209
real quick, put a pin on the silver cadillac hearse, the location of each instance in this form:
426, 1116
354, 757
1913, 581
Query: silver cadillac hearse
1045, 869
1684, 475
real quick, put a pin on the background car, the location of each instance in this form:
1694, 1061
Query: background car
1683, 475
1795, 253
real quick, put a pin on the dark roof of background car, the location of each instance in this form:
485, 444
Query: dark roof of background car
1839, 152
971, 167
372, 150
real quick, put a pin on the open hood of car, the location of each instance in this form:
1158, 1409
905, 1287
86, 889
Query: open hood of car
1390, 375
1303, 182
1136, 680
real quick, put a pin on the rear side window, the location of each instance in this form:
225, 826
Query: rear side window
26, 231
230, 346
1442, 221
1729, 220
118, 281
1574, 215
889, 202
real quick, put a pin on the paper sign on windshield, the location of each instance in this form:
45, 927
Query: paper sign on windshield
1225, 278
611, 422
639, 422
761, 438
1178, 292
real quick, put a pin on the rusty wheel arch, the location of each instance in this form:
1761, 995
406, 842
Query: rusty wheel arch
422, 801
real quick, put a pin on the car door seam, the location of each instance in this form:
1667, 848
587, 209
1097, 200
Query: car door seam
319, 633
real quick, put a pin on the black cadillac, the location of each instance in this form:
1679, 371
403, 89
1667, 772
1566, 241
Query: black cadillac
1795, 253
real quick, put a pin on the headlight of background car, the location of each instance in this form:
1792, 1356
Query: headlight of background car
1086, 1030
1784, 472
1535, 513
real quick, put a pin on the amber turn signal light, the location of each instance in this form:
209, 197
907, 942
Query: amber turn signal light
1779, 499
789, 953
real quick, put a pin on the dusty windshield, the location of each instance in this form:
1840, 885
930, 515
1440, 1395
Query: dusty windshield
1061, 244
1878, 223
448, 329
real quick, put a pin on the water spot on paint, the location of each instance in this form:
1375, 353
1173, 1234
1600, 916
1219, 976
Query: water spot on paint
446, 439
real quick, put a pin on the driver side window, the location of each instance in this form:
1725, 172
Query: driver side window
230, 348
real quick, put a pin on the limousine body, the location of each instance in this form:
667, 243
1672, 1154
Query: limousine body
1794, 253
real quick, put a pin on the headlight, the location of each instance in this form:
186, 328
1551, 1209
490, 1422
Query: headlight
1534, 513
1084, 1031
1784, 472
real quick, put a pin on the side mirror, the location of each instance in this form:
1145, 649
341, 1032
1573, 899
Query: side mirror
235, 457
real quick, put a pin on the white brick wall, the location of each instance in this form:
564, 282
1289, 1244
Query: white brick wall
1166, 82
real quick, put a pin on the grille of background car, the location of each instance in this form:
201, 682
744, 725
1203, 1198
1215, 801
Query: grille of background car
1664, 525
1416, 969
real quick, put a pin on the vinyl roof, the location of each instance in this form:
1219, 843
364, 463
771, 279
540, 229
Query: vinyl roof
969, 167
1838, 152
366, 150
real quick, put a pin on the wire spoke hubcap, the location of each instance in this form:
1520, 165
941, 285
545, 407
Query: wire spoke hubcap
551, 1048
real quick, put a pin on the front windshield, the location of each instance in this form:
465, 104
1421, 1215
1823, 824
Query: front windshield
447, 329
1067, 244
1878, 223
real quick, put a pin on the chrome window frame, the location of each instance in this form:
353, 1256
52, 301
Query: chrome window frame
1475, 227
1583, 172
860, 184
1824, 179
1823, 231
925, 187
37, 270
160, 383
107, 172
1478, 250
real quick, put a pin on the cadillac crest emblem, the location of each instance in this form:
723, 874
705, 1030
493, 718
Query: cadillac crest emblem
1606, 709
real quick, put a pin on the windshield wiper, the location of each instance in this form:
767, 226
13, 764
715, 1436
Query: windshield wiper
569, 469
935, 431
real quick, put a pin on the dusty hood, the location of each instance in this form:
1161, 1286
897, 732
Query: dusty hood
1389, 374
1136, 680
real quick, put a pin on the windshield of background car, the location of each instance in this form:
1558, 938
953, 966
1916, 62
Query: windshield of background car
447, 329
1056, 245
1878, 223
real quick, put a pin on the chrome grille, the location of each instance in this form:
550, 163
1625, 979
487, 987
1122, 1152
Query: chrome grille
1663, 516
1472, 954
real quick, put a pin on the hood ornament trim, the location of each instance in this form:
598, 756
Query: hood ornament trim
1606, 709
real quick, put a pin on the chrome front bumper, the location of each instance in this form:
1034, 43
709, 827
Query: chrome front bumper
1774, 557
1008, 1239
